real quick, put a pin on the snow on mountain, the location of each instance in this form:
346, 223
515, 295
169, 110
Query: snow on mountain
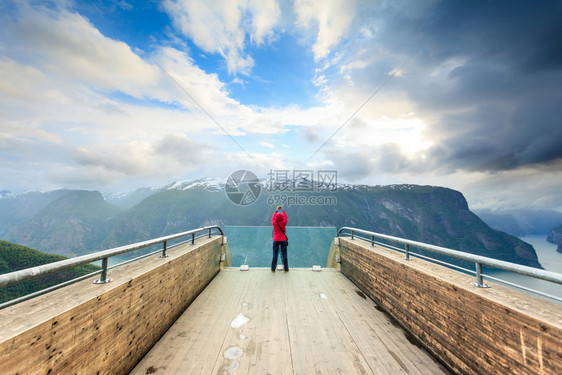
130, 198
117, 196
126, 194
208, 183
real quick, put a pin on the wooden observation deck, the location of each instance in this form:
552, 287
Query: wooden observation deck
300, 322
185, 312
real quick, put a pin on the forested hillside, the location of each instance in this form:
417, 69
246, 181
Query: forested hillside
16, 257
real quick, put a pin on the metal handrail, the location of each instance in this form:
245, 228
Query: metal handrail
16, 277
477, 259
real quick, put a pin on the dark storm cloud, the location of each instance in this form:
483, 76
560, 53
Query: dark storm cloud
500, 108
511, 78
526, 33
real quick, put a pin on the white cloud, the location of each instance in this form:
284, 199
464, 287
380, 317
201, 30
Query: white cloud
407, 133
57, 77
67, 45
65, 63
128, 159
113, 138
332, 19
169, 156
206, 89
66, 176
267, 144
10, 130
21, 82
266, 14
221, 26
320, 164
237, 81
260, 163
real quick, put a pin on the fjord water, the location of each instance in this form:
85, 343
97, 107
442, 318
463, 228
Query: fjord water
549, 258
308, 246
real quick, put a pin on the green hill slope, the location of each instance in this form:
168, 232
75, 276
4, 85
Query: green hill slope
15, 257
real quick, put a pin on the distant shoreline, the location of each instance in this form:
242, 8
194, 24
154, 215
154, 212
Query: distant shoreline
549, 258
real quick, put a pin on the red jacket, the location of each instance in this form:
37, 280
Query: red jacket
279, 220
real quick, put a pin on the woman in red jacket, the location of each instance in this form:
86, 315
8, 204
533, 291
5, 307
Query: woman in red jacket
279, 222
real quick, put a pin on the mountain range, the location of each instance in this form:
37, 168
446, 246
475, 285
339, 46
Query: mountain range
72, 222
522, 222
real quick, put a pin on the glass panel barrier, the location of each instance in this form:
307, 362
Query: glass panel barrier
308, 246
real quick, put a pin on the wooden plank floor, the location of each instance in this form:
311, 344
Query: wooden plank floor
300, 322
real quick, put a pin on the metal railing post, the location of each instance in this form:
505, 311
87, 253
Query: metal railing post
103, 277
164, 255
209, 232
193, 238
372, 241
479, 279
407, 248
351, 234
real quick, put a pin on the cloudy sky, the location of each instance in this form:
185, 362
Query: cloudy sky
113, 95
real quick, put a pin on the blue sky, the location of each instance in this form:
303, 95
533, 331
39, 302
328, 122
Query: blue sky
476, 107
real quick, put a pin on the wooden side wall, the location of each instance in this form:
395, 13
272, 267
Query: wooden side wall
472, 330
106, 329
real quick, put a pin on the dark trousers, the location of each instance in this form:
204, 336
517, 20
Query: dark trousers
276, 245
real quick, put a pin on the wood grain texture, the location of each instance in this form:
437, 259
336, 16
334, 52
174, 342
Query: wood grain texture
300, 322
106, 329
472, 330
